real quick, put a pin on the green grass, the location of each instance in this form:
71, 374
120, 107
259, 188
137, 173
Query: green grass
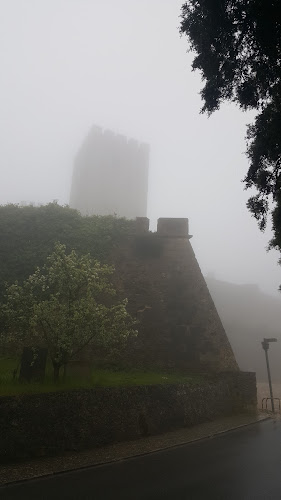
97, 378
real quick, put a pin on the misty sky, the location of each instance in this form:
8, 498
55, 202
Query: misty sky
69, 64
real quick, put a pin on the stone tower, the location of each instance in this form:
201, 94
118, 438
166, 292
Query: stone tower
110, 176
179, 327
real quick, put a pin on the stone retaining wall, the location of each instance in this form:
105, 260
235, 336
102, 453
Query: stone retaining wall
52, 423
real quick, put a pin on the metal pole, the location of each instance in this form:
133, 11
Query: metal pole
269, 379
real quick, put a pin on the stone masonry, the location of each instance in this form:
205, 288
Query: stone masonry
179, 327
57, 422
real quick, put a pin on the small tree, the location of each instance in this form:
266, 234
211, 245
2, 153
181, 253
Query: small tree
66, 305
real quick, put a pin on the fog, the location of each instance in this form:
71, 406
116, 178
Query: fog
69, 64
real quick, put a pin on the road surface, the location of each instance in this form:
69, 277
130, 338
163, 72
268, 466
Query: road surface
240, 465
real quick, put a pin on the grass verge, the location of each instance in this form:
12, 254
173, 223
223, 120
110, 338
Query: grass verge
96, 378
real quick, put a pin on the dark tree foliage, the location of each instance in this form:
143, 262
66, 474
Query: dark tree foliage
237, 45
28, 236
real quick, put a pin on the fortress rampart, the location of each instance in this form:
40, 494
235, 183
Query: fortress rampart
179, 327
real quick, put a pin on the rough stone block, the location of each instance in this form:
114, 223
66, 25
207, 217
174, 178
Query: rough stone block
171, 227
142, 225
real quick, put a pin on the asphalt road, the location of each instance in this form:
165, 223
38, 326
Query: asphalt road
241, 465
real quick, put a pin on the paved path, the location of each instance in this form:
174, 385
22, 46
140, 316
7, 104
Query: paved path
30, 469
241, 465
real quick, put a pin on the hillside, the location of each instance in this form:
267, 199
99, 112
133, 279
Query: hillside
249, 315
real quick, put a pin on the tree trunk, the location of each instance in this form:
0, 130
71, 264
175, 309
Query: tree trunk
64, 372
56, 373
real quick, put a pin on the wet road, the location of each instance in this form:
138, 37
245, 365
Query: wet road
241, 465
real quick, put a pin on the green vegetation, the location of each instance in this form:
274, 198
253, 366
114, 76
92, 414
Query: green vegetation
237, 47
28, 235
65, 307
96, 378
64, 300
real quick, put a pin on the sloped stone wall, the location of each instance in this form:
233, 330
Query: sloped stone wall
179, 327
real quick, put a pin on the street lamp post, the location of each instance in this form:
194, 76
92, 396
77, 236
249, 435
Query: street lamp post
265, 346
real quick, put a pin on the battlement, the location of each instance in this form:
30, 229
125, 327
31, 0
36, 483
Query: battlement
168, 227
99, 134
142, 225
173, 227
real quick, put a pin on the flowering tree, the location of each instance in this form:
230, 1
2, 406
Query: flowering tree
65, 306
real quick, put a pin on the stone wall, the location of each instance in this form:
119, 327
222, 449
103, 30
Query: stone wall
52, 423
179, 327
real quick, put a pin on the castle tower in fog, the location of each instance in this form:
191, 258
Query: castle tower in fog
110, 176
